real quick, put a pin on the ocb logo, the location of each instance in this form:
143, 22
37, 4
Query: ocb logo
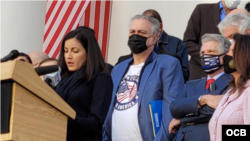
236, 132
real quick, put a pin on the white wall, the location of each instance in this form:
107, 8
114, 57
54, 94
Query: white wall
22, 26
209, 1
175, 15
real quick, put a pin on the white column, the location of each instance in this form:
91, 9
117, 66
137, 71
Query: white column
22, 26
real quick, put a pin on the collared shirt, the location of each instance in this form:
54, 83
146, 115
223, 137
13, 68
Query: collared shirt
222, 12
216, 76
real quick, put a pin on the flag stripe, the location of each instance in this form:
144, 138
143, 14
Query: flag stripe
52, 6
106, 24
73, 21
92, 14
64, 29
64, 16
54, 19
87, 15
56, 24
82, 20
109, 23
80, 15
52, 16
60, 26
48, 6
97, 18
100, 33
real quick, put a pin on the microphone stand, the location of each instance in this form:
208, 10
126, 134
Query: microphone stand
48, 81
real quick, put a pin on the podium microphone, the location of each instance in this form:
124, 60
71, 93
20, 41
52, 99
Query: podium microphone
46, 70
12, 55
52, 79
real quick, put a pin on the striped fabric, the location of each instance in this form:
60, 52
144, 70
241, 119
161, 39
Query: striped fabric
64, 16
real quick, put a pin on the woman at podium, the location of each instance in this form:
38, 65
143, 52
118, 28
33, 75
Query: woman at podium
86, 85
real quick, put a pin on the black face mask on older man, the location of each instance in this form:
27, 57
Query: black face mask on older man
137, 43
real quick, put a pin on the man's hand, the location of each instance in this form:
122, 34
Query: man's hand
173, 124
211, 100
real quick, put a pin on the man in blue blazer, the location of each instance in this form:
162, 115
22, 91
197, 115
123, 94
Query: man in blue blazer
189, 116
167, 44
143, 78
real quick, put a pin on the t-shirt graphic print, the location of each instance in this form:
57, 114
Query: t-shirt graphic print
127, 92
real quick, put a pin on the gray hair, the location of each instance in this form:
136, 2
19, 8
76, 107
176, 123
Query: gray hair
224, 44
155, 23
241, 20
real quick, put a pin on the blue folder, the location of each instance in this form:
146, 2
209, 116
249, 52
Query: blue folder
155, 108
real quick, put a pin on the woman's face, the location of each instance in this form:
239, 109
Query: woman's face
74, 54
231, 49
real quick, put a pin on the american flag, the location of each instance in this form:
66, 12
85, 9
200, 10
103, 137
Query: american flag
64, 16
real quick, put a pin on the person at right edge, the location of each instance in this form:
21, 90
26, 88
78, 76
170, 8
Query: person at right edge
192, 119
204, 19
233, 108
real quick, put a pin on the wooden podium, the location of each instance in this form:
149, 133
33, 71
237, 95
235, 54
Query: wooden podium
36, 112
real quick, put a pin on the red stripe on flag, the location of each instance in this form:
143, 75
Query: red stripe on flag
59, 29
53, 21
87, 15
105, 29
97, 18
51, 8
70, 27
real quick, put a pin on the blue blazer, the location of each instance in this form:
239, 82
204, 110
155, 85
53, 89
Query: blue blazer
161, 79
194, 123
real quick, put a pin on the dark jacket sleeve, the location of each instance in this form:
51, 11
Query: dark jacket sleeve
184, 106
182, 52
205, 114
123, 58
101, 98
192, 34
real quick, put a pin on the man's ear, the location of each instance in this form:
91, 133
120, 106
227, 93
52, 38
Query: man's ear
248, 31
156, 37
161, 27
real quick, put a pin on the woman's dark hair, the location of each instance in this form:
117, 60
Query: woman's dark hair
241, 59
94, 64
47, 60
247, 7
25, 55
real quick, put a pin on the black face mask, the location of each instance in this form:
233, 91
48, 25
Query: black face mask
228, 64
137, 43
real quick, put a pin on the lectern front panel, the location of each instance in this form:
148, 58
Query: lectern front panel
6, 96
